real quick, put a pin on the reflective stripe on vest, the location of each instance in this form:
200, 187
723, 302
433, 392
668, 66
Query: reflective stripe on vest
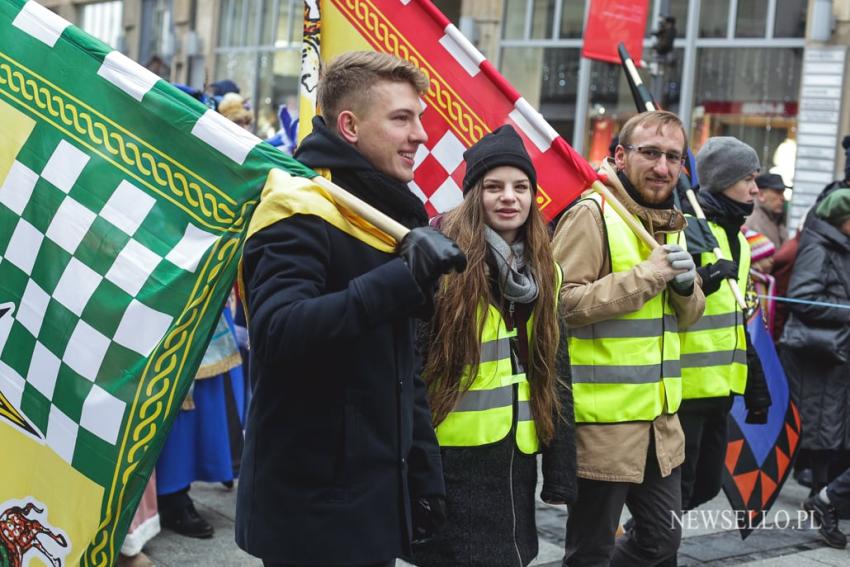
627, 368
484, 414
714, 349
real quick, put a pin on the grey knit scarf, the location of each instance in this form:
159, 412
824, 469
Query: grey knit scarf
515, 278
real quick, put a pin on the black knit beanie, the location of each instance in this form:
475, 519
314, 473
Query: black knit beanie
502, 146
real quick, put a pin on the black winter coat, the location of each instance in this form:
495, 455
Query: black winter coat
339, 436
820, 385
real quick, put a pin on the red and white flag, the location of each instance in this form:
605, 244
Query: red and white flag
467, 97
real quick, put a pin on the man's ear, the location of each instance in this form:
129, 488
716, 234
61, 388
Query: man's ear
620, 158
347, 126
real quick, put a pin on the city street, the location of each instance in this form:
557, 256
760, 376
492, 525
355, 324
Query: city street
782, 546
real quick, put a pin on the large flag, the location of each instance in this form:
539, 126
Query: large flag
467, 97
759, 457
123, 207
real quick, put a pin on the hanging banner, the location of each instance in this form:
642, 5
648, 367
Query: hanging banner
611, 22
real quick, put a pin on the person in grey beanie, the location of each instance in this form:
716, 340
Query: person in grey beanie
718, 362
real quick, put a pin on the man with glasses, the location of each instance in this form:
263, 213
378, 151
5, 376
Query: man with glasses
624, 304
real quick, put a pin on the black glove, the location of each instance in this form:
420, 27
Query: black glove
713, 274
429, 254
428, 515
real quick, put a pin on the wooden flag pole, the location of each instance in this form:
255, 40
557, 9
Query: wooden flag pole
618, 207
363, 209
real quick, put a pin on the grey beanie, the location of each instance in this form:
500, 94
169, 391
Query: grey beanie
723, 161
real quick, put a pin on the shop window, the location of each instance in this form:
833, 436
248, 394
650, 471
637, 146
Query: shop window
514, 21
572, 19
103, 21
751, 94
751, 18
714, 18
542, 15
679, 10
260, 50
612, 104
790, 18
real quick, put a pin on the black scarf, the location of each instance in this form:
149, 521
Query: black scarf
633, 193
728, 214
351, 171
724, 211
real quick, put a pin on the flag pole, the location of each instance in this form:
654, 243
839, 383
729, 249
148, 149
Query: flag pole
618, 207
643, 100
362, 209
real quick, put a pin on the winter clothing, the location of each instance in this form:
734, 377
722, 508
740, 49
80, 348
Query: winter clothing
723, 161
760, 246
502, 146
816, 337
617, 452
636, 461
232, 107
835, 207
339, 438
771, 181
490, 487
768, 223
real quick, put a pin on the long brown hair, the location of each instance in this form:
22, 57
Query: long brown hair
455, 337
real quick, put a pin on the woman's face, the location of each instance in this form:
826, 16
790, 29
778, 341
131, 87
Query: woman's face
506, 196
744, 190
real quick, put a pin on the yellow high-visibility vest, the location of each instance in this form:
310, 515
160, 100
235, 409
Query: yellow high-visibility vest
714, 349
485, 413
627, 368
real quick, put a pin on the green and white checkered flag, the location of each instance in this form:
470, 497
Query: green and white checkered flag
123, 207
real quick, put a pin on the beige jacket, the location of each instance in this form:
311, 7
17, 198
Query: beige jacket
591, 293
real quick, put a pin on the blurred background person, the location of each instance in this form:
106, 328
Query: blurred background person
768, 215
816, 340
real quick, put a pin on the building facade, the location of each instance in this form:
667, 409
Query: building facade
770, 72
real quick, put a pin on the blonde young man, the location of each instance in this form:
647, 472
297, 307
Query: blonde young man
341, 465
623, 305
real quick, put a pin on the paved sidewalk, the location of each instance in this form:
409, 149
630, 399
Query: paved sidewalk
785, 544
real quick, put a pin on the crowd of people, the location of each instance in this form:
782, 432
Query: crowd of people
401, 391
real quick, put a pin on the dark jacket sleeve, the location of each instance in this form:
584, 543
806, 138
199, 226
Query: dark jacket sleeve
808, 283
756, 394
559, 457
286, 266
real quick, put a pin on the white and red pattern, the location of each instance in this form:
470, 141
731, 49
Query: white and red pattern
438, 166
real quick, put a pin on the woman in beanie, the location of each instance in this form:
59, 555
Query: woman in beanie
498, 396
816, 339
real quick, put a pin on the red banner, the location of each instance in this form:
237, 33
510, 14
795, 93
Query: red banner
610, 22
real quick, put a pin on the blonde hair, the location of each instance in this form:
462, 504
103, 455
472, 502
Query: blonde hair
232, 107
347, 80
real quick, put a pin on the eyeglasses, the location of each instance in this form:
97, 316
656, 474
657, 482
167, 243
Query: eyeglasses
651, 153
